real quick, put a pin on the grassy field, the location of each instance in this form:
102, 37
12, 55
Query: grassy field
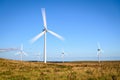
17, 70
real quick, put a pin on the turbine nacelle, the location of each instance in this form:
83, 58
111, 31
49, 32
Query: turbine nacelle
98, 49
44, 30
62, 52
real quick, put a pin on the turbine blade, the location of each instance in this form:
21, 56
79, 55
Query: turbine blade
62, 50
44, 18
58, 36
98, 45
21, 47
102, 51
17, 53
37, 37
25, 54
97, 53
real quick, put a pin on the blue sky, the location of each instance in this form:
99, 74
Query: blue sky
82, 23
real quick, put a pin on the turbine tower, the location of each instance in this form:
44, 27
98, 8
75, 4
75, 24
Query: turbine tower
21, 52
99, 51
45, 30
63, 53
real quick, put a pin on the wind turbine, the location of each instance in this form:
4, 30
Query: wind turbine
21, 52
63, 53
99, 51
45, 30
38, 56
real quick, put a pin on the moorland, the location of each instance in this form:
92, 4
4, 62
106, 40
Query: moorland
77, 70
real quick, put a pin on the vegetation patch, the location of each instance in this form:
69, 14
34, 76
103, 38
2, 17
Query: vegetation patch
17, 70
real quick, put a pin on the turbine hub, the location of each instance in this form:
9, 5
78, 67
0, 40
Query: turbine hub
98, 49
45, 30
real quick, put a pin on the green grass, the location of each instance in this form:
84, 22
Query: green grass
17, 70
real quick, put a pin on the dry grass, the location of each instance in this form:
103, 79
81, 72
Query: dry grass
16, 70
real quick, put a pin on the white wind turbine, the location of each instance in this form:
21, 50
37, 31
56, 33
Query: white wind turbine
21, 52
63, 53
45, 30
38, 56
99, 51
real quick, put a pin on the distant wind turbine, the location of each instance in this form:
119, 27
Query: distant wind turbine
45, 30
21, 52
63, 53
38, 56
99, 51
